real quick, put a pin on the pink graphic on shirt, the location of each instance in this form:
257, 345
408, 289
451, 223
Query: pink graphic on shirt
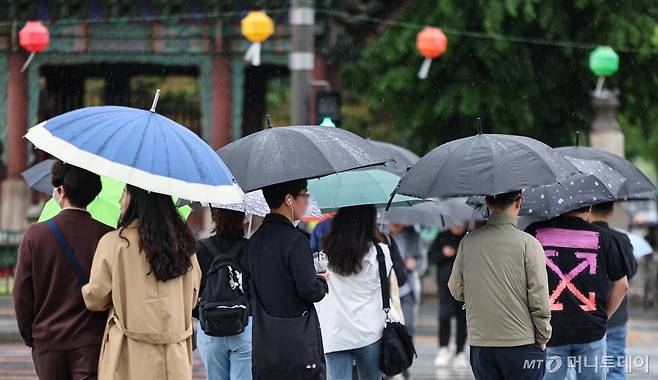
561, 238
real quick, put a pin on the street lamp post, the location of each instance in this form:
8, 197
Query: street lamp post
301, 59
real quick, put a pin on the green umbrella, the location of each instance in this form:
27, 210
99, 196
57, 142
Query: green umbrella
105, 208
360, 187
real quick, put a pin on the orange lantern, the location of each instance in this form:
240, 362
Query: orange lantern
431, 43
34, 37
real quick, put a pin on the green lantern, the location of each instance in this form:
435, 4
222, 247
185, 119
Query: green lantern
603, 61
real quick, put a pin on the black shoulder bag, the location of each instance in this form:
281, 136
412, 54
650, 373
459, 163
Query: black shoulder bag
398, 351
285, 348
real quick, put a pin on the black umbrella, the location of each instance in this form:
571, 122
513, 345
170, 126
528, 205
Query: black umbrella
485, 164
276, 155
580, 190
637, 186
404, 158
38, 176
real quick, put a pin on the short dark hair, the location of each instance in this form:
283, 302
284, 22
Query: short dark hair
228, 223
503, 201
81, 186
581, 210
276, 194
605, 208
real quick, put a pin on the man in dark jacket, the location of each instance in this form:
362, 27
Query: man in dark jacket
617, 324
284, 288
52, 318
442, 253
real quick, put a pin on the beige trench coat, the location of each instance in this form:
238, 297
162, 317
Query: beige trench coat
148, 333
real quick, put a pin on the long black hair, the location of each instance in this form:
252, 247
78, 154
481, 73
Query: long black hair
353, 231
164, 237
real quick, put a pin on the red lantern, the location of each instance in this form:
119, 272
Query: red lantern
34, 37
431, 43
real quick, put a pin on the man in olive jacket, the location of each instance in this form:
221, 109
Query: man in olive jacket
500, 275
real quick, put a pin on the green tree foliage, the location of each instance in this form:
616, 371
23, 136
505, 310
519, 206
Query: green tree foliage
536, 90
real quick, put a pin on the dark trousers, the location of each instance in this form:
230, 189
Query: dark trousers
76, 364
513, 363
448, 308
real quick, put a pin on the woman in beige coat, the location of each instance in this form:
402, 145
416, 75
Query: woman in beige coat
147, 275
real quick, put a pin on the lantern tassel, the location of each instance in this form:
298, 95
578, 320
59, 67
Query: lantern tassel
27, 61
425, 68
599, 86
253, 54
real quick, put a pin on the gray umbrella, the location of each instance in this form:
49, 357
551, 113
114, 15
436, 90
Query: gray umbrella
38, 177
637, 186
281, 154
433, 213
404, 158
485, 164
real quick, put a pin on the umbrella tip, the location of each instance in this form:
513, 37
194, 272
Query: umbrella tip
577, 138
269, 121
155, 100
479, 125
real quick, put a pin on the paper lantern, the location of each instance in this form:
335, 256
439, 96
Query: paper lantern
603, 61
34, 37
431, 43
256, 27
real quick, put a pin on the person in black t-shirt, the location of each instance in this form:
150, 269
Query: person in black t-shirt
442, 253
616, 332
581, 259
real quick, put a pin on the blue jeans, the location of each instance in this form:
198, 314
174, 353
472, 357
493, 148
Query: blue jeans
616, 351
339, 364
586, 358
226, 358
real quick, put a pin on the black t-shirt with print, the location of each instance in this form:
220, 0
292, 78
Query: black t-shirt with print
580, 259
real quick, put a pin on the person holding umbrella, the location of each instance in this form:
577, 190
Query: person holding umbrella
616, 329
53, 264
500, 275
147, 275
442, 253
352, 315
581, 260
284, 285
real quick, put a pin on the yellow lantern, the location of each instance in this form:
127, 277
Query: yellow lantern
257, 27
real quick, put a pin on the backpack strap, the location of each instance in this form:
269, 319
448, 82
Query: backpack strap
68, 252
215, 252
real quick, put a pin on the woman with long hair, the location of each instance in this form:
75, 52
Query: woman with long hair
351, 314
147, 275
225, 357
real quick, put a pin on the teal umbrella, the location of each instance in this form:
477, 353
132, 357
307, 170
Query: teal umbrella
360, 187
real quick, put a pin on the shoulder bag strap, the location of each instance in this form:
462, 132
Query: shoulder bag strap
383, 280
68, 252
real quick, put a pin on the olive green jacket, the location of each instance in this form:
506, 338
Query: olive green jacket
500, 274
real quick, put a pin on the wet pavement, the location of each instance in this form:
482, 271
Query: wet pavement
16, 362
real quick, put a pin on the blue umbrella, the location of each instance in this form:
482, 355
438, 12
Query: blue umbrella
141, 148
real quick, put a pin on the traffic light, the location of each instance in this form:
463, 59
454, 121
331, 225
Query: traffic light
327, 104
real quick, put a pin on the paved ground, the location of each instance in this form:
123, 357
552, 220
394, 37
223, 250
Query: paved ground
16, 363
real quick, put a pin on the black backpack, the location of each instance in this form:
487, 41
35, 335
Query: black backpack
223, 309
